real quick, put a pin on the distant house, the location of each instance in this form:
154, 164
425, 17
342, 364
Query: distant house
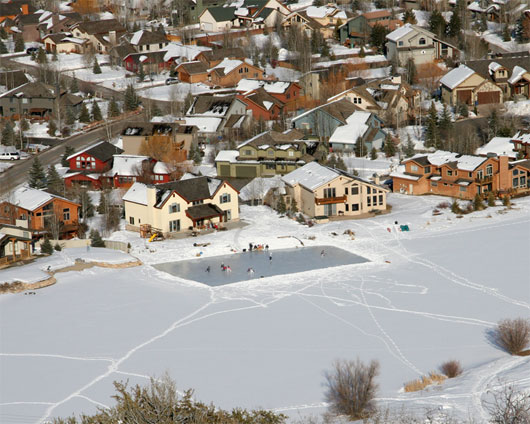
357, 30
126, 170
287, 92
230, 71
322, 121
15, 244
34, 100
361, 126
119, 52
322, 191
192, 72
179, 206
414, 42
101, 35
214, 57
150, 62
265, 155
12, 79
148, 41
300, 19
53, 23
211, 107
521, 144
11, 10
64, 43
216, 19
36, 209
262, 104
87, 166
463, 85
461, 176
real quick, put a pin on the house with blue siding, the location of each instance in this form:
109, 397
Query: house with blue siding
322, 121
361, 127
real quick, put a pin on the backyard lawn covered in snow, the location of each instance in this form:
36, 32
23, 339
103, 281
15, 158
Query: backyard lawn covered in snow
426, 296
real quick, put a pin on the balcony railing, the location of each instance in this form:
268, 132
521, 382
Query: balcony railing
484, 180
329, 200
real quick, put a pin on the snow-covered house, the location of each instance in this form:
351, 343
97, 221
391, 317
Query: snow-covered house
148, 41
217, 19
413, 42
322, 191
102, 35
229, 72
361, 127
64, 43
265, 155
179, 206
36, 209
521, 144
192, 72
286, 92
127, 169
218, 108
262, 104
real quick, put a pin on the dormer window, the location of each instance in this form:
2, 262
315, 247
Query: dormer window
422, 41
400, 43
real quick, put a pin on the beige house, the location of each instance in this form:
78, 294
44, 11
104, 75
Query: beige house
189, 204
64, 43
411, 41
464, 85
101, 35
322, 191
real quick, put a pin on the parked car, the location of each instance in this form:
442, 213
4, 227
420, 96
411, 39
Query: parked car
10, 156
32, 50
172, 80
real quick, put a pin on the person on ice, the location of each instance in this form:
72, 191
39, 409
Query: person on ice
208, 268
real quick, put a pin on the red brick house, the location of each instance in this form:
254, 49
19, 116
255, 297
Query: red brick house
40, 212
461, 176
286, 92
128, 169
87, 165
262, 104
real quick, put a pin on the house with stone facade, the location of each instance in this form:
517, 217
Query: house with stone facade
188, 204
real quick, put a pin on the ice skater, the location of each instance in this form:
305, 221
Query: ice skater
250, 271
228, 269
208, 268
223, 266
270, 258
323, 253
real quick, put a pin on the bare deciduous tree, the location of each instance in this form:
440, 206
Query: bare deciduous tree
509, 406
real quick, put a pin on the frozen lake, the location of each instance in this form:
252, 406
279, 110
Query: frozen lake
284, 261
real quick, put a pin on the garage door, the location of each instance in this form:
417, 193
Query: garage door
224, 171
246, 171
488, 97
464, 96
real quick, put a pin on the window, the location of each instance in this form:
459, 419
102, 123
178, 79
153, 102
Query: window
159, 45
147, 47
225, 198
270, 152
329, 192
369, 201
355, 207
347, 207
288, 96
427, 169
66, 214
380, 199
400, 43
422, 41
291, 153
270, 166
515, 172
480, 174
346, 191
463, 188
248, 152
515, 182
228, 215
434, 184
174, 225
197, 202
131, 220
174, 208
413, 168
374, 200
354, 190
449, 173
489, 170
470, 174
369, 190
522, 181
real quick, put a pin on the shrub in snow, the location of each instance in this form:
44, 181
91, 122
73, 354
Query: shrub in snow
491, 199
351, 388
506, 201
95, 239
451, 368
455, 207
443, 205
57, 247
424, 381
46, 247
478, 204
513, 335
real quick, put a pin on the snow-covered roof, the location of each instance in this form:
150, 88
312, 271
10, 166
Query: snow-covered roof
400, 173
501, 146
161, 168
174, 50
517, 74
127, 165
456, 76
310, 176
463, 162
205, 124
228, 65
400, 32
274, 87
135, 39
31, 198
355, 127
494, 66
227, 156
136, 194
523, 137
319, 12
84, 150
142, 58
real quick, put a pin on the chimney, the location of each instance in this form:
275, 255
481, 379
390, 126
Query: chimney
505, 179
396, 79
375, 177
55, 19
112, 37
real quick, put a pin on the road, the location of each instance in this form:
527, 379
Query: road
18, 173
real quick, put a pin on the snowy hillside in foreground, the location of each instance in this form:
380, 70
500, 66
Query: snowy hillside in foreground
266, 342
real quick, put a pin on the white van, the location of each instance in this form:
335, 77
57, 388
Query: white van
9, 156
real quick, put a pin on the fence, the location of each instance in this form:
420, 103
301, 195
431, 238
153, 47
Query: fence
117, 245
68, 243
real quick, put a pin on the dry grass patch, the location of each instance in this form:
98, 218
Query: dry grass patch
424, 381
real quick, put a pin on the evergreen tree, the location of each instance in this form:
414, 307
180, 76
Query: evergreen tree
431, 134
37, 178
195, 154
70, 116
3, 48
463, 110
113, 109
506, 33
506, 201
68, 151
362, 53
20, 46
57, 247
96, 69
41, 58
491, 199
103, 202
437, 23
8, 134
54, 182
409, 17
493, 123
373, 153
46, 247
378, 36
3, 33
409, 147
455, 24
411, 71
74, 88
84, 115
280, 206
478, 204
155, 111
24, 124
294, 206
445, 125
390, 148
131, 101
141, 73
360, 148
96, 112
52, 128
95, 239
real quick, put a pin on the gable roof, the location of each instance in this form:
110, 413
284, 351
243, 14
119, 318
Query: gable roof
100, 27
143, 37
264, 100
455, 160
271, 138
339, 109
400, 32
192, 189
356, 126
193, 68
33, 90
486, 67
220, 54
222, 14
211, 105
103, 151
32, 199
456, 76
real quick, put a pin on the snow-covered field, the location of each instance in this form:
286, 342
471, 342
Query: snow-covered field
427, 296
